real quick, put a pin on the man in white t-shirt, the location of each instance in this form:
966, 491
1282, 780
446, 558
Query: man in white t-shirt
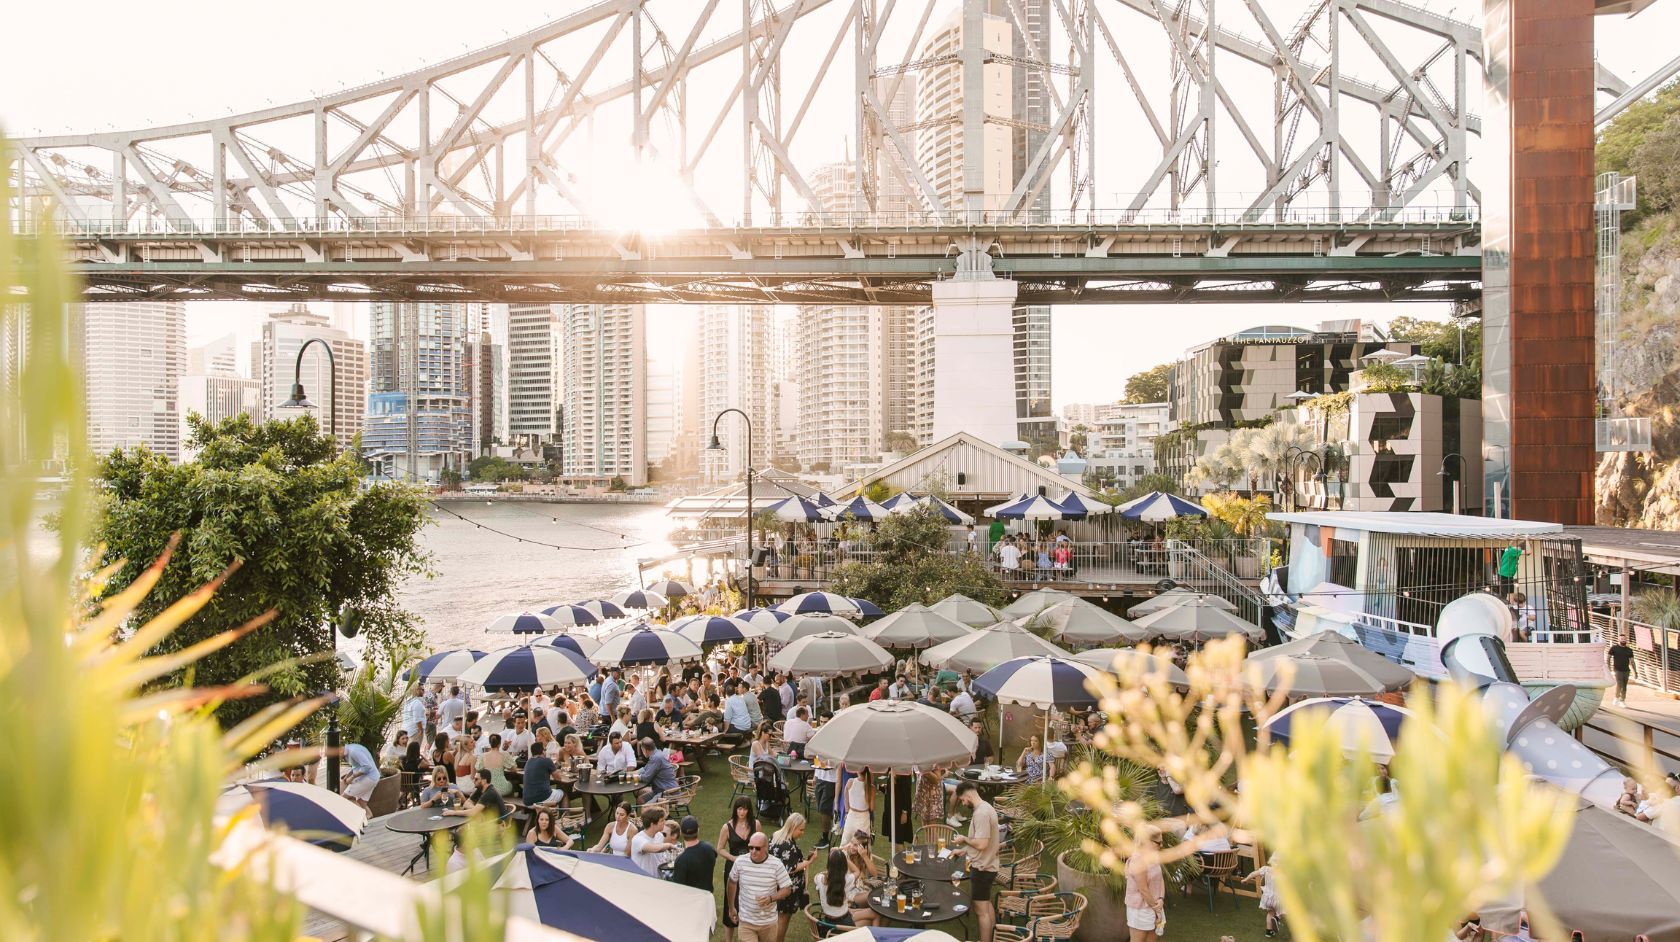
452, 709
652, 846
616, 756
962, 705
756, 882
518, 741
1009, 555
414, 717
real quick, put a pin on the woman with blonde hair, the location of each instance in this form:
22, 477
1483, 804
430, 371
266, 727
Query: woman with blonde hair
784, 846
1146, 888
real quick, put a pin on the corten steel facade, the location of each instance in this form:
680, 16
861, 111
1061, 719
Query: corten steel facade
1538, 372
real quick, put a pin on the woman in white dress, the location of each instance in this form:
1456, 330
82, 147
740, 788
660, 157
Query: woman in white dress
860, 806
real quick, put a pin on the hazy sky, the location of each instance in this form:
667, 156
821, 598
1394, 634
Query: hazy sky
122, 65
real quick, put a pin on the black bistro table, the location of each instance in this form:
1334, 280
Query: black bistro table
990, 781
610, 790
941, 902
424, 822
800, 769
926, 865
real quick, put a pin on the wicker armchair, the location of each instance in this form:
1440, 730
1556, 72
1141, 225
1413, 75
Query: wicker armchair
1033, 898
1018, 863
931, 833
680, 798
741, 774
1217, 867
1059, 926
821, 928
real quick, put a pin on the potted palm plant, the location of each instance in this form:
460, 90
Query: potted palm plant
1038, 813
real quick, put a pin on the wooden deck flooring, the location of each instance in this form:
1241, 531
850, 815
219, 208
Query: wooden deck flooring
381, 847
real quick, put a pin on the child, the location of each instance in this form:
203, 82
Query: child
1268, 898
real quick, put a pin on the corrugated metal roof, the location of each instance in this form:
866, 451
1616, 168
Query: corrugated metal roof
985, 470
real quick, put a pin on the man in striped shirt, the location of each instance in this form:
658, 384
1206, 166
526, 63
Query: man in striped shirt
756, 882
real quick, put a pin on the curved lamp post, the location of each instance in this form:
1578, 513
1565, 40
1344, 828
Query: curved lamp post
1443, 473
1291, 462
718, 446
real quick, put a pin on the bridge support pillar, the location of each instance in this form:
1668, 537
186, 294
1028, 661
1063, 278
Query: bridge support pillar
974, 352
1538, 381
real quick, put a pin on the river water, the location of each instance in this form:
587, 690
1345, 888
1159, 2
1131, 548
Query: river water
480, 574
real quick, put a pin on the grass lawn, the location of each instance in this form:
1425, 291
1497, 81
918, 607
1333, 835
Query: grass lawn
1187, 918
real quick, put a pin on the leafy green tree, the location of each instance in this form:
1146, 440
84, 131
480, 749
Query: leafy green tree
1622, 137
909, 562
617, 484
284, 505
1656, 162
1149, 385
1440, 339
878, 491
492, 468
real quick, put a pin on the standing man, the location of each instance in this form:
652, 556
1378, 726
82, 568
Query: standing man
1621, 664
434, 699
789, 695
414, 715
993, 535
611, 693
770, 703
981, 843
696, 864
452, 709
1508, 562
756, 883
826, 777
973, 540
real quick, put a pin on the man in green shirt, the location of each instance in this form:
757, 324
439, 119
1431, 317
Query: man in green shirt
993, 534
1508, 569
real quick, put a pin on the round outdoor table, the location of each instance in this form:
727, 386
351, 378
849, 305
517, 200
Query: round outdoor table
607, 790
940, 903
929, 866
990, 785
800, 769
424, 822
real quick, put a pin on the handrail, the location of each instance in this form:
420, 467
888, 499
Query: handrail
1646, 740
1227, 586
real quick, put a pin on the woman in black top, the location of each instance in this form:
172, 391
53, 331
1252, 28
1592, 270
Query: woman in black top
646, 728
733, 840
413, 768
545, 832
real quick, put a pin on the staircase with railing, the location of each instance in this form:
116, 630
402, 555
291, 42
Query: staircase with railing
1195, 570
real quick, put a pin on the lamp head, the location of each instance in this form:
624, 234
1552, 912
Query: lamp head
715, 445
299, 400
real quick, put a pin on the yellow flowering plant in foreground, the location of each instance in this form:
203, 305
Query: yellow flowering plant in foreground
1467, 824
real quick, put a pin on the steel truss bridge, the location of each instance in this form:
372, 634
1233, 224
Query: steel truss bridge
1289, 149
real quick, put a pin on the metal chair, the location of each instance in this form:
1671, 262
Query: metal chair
821, 927
1217, 867
740, 772
1035, 897
1054, 927
931, 833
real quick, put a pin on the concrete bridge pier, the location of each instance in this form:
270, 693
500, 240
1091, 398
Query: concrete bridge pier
974, 350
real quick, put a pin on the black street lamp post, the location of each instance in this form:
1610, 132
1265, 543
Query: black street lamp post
300, 400
716, 445
1454, 479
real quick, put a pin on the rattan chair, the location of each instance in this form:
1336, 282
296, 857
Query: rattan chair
1061, 925
740, 772
1217, 867
931, 833
821, 927
1032, 899
1018, 863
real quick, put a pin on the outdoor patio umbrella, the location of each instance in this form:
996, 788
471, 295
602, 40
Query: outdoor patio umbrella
603, 608
528, 666
1173, 597
572, 615
311, 813
671, 588
892, 736
822, 500
580, 645
801, 626
891, 934
867, 609
914, 626
1090, 506
1156, 507
526, 623
1049, 683
1036, 507
1328, 665
831, 654
601, 896
444, 665
903, 499
1195, 620
1616, 880
950, 513
960, 608
980, 651
818, 603
645, 646
796, 510
1083, 624
644, 599
1371, 723
858, 508
1383, 355
765, 618
1118, 660
714, 629
1034, 602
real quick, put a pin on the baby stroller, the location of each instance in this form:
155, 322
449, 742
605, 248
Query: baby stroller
771, 791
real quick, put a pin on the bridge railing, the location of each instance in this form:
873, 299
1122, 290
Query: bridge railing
1409, 217
1656, 650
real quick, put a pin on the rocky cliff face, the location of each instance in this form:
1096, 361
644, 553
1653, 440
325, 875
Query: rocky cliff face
1642, 489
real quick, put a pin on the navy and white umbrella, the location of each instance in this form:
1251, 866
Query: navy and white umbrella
526, 623
765, 618
1041, 681
891, 934
581, 645
796, 510
444, 665
903, 499
822, 500
819, 603
803, 626
671, 588
715, 629
644, 645
1359, 723
1089, 506
858, 508
946, 511
601, 896
572, 615
1036, 507
867, 609
527, 667
644, 599
310, 812
1156, 507
603, 608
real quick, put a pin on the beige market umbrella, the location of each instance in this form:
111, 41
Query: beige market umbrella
961, 608
1078, 623
1618, 879
1327, 664
831, 654
1118, 660
1196, 620
1035, 602
980, 651
803, 626
1173, 597
914, 626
